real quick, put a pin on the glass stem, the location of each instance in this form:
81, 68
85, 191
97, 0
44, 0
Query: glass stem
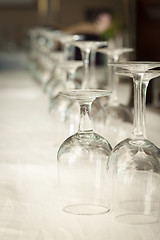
92, 68
138, 118
113, 82
85, 58
144, 92
85, 124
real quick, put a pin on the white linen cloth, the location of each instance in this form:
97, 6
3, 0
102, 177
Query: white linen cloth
30, 203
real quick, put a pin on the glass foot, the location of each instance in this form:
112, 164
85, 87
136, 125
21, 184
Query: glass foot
86, 209
139, 212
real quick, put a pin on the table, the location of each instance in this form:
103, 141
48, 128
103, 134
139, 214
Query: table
30, 199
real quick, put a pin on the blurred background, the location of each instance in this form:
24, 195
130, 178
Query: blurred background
138, 22
17, 16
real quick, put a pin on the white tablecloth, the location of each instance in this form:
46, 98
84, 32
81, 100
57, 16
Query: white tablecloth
29, 193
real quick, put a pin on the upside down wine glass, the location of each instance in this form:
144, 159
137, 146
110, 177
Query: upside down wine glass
59, 104
150, 74
67, 53
48, 87
82, 160
44, 65
36, 43
87, 48
119, 118
134, 164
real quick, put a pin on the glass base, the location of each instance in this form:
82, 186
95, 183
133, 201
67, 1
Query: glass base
139, 212
136, 219
85, 209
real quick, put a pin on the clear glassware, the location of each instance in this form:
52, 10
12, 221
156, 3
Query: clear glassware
88, 49
59, 104
57, 74
82, 162
69, 67
119, 117
134, 163
35, 45
43, 66
150, 74
53, 84
66, 40
93, 83
47, 64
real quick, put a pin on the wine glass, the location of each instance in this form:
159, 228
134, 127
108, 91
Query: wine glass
113, 55
119, 117
36, 43
47, 61
86, 48
134, 163
150, 74
65, 77
48, 56
59, 104
57, 74
82, 162
53, 84
44, 65
69, 113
